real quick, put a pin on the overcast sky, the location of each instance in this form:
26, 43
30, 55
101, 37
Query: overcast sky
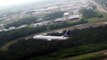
15, 2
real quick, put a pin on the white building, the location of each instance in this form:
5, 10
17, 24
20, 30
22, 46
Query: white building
71, 17
11, 28
66, 15
59, 20
22, 26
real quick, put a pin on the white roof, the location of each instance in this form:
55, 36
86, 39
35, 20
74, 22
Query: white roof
66, 13
11, 28
74, 16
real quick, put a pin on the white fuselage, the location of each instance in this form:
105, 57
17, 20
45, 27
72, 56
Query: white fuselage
49, 38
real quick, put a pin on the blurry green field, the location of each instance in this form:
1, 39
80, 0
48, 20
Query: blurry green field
96, 19
90, 56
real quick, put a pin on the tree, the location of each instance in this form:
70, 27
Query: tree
88, 13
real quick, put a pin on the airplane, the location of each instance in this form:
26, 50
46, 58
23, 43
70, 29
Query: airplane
49, 38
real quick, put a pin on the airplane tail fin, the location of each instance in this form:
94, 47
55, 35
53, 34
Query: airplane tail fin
67, 33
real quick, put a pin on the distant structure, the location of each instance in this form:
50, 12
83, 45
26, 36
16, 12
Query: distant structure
2, 27
71, 16
66, 15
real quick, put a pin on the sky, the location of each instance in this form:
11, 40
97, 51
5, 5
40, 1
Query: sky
16, 2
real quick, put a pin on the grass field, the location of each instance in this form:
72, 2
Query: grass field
89, 56
96, 19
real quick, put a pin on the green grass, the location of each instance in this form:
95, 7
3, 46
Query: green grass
89, 56
80, 57
84, 52
96, 19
